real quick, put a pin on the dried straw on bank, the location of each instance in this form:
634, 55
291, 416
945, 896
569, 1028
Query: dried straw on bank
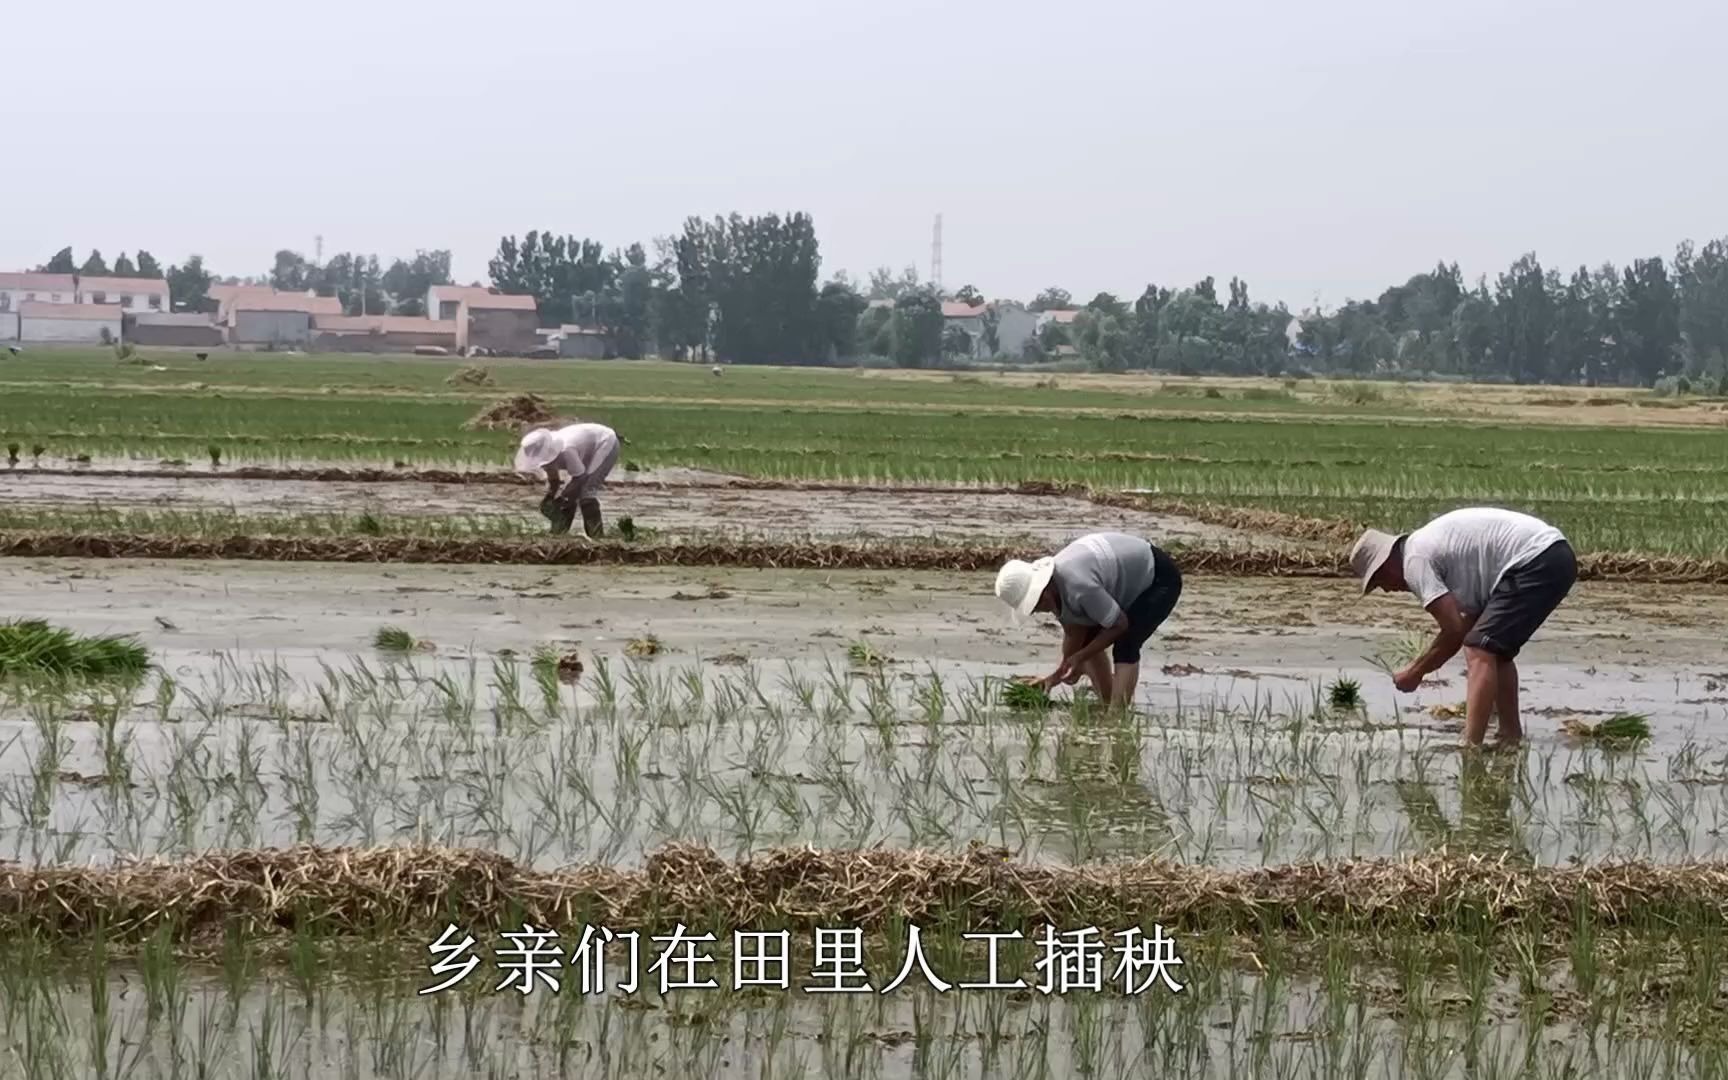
762, 554
419, 889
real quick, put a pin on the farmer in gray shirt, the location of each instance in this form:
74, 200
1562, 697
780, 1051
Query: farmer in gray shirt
1109, 591
1490, 578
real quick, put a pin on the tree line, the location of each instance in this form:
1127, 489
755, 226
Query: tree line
1635, 325
748, 289
64, 262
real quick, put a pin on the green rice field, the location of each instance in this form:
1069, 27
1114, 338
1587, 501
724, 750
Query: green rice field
1311, 451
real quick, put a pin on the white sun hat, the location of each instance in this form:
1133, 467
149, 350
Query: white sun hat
1019, 584
1372, 550
537, 451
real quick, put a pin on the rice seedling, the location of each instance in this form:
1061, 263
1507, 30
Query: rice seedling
394, 639
1622, 728
12, 454
1026, 696
1344, 695
563, 665
862, 654
30, 647
215, 453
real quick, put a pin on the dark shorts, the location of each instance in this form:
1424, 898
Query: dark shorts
1523, 600
1149, 610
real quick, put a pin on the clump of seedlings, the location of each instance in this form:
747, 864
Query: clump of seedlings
565, 667
36, 452
34, 647
644, 647
1623, 729
627, 529
1344, 695
12, 453
215, 455
394, 639
1027, 697
863, 654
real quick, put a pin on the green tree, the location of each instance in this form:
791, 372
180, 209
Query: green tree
555, 270
407, 281
1702, 278
94, 266
1648, 321
1051, 299
61, 263
1524, 318
291, 272
885, 286
969, 296
357, 281
917, 328
875, 333
148, 267
123, 266
1577, 338
838, 311
189, 285
1108, 304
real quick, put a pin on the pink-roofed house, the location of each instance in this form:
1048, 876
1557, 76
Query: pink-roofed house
136, 296
15, 289
496, 322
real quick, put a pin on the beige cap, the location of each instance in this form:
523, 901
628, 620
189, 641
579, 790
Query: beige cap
1370, 554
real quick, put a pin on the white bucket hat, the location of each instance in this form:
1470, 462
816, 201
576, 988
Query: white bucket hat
1372, 550
537, 451
1019, 584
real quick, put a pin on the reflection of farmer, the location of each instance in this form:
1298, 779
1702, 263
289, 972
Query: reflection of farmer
1490, 578
587, 452
1109, 591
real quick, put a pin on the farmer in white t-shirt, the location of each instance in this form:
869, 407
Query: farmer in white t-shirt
1109, 591
1490, 578
586, 453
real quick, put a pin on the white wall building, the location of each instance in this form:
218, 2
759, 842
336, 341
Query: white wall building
16, 289
82, 324
136, 296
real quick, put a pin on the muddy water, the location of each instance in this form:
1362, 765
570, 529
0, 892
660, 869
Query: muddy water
753, 725
690, 507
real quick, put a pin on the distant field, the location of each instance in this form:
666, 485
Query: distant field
1337, 451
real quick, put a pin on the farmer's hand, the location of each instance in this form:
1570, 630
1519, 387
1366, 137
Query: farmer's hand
1407, 680
1063, 675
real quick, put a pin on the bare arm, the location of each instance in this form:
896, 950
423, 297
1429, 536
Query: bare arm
1454, 624
1100, 641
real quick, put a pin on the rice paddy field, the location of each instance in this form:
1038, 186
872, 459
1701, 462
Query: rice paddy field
319, 758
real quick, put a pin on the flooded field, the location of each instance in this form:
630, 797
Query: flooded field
741, 708
405, 820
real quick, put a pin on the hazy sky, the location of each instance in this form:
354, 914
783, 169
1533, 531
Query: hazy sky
1321, 149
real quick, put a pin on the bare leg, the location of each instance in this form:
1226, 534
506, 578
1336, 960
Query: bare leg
1506, 704
1098, 670
1483, 669
1127, 679
592, 523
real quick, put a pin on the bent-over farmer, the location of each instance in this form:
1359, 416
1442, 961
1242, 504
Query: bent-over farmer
1109, 591
586, 454
1490, 578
